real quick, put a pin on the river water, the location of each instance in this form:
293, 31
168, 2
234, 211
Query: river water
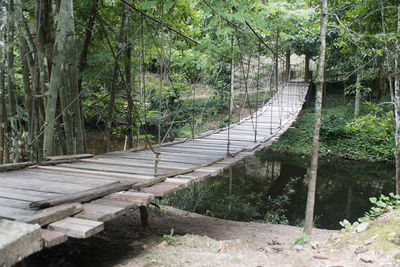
271, 186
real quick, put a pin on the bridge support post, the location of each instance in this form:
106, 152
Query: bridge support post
144, 216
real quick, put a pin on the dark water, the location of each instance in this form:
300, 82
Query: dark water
343, 186
265, 188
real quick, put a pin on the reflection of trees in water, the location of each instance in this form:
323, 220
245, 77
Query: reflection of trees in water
258, 182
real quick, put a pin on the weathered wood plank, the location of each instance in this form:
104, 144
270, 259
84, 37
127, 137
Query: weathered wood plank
14, 213
14, 166
49, 215
162, 189
92, 172
17, 241
25, 195
14, 203
68, 157
138, 198
52, 238
143, 164
78, 228
42, 186
85, 195
112, 168
102, 213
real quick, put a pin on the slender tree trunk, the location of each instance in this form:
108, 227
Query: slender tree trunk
12, 96
3, 116
73, 125
287, 76
358, 95
63, 19
113, 89
397, 103
317, 123
307, 68
27, 83
86, 43
232, 93
129, 96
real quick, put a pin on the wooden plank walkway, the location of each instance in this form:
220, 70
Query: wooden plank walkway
180, 164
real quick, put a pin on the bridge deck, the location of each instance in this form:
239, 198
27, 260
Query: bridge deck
180, 164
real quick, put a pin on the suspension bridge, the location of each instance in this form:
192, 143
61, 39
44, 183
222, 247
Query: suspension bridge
72, 196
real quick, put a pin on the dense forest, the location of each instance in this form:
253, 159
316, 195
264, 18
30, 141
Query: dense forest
154, 70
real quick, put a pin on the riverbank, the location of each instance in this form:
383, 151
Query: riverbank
199, 240
369, 138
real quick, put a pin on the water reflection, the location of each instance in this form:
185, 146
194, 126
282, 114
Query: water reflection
343, 186
272, 187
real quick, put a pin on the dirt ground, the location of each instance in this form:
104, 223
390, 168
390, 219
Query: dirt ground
204, 241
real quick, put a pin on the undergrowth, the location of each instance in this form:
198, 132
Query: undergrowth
371, 137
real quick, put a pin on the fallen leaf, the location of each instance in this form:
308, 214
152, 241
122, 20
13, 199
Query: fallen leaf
360, 250
366, 260
221, 247
321, 257
314, 245
162, 244
273, 243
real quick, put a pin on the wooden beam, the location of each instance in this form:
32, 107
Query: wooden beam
85, 195
49, 215
78, 228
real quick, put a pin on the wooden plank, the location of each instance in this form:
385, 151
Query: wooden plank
49, 215
24, 194
138, 198
143, 164
72, 178
195, 144
161, 189
194, 151
165, 158
105, 201
102, 213
14, 203
42, 186
14, 166
13, 213
78, 228
53, 238
92, 172
85, 195
17, 241
112, 168
68, 157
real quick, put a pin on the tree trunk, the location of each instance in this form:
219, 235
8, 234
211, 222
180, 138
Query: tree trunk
63, 19
73, 125
86, 43
113, 89
307, 68
397, 103
129, 96
232, 92
358, 95
287, 75
317, 123
3, 116
12, 96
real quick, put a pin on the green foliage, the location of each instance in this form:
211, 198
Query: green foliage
302, 238
380, 206
370, 137
170, 238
